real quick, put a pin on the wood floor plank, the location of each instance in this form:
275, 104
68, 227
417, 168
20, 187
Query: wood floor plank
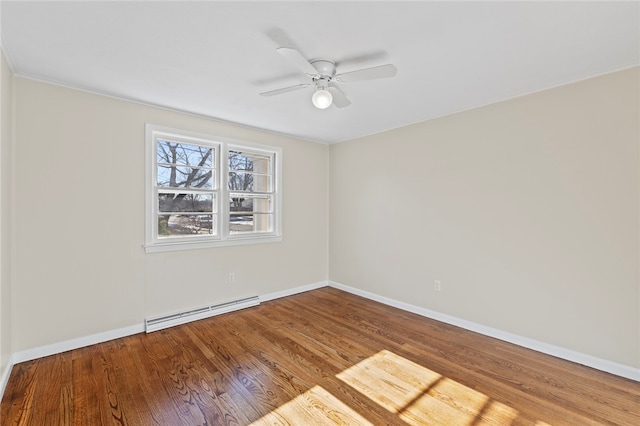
323, 357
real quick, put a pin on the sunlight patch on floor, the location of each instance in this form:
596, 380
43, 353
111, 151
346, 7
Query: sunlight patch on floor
389, 380
416, 395
314, 407
420, 396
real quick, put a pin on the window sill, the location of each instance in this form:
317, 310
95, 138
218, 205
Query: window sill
196, 245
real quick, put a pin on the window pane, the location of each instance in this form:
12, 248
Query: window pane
250, 222
169, 152
181, 165
249, 162
187, 177
249, 182
170, 202
239, 203
185, 224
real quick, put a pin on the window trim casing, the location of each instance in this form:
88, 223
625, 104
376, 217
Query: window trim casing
154, 245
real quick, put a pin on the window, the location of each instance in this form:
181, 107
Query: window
204, 191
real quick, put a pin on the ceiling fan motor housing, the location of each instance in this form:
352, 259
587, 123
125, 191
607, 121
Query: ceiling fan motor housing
326, 69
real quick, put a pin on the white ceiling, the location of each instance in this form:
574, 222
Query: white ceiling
213, 58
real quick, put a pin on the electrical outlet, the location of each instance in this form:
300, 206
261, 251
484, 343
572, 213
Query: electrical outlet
231, 277
437, 285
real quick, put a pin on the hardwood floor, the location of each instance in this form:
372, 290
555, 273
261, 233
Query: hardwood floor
321, 357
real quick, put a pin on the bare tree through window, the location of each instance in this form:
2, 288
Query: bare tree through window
250, 185
240, 178
182, 170
205, 191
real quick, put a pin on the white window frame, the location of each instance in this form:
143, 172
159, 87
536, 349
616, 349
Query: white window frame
221, 146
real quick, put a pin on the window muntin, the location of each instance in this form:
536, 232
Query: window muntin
207, 191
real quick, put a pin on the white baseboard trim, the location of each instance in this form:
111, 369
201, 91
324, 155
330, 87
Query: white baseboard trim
567, 354
4, 379
80, 342
56, 348
292, 291
557, 351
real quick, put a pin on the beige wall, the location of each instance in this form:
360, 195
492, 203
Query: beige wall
79, 264
526, 210
6, 80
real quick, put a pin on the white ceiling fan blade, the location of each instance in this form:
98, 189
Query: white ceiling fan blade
339, 99
284, 90
382, 71
296, 58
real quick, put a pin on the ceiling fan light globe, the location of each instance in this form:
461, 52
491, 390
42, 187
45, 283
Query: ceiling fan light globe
322, 99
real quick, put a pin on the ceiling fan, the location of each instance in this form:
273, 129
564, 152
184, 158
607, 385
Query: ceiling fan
322, 73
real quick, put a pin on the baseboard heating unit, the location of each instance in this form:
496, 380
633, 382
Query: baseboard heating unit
166, 321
